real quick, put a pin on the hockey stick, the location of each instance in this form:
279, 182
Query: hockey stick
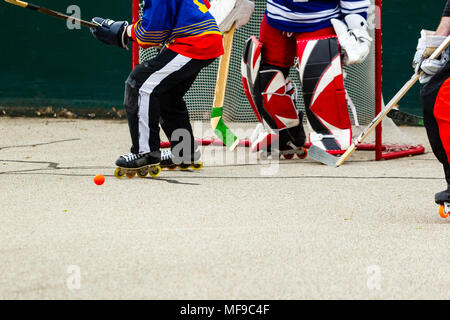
217, 124
404, 118
376, 121
51, 13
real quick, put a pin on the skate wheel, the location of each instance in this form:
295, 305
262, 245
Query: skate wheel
184, 167
304, 155
288, 156
142, 173
130, 175
171, 168
155, 171
118, 173
197, 166
442, 212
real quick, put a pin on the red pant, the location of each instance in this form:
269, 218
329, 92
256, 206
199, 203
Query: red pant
280, 47
435, 96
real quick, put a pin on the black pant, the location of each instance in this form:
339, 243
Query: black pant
154, 93
435, 97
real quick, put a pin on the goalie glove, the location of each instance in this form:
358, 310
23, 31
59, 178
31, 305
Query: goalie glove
111, 32
228, 12
427, 44
353, 38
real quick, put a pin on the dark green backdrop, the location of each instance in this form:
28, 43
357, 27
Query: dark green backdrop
42, 63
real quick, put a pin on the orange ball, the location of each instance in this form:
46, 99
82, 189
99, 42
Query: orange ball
99, 179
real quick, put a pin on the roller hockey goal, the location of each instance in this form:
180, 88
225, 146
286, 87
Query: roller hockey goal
363, 83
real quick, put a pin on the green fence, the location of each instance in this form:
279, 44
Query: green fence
402, 22
43, 63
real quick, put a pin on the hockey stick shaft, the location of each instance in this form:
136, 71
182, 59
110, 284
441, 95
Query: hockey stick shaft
400, 94
51, 13
217, 123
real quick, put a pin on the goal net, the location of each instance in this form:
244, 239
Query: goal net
362, 82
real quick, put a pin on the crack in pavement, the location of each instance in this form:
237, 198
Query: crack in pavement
39, 144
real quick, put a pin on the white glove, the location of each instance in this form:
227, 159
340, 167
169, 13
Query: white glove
227, 12
353, 38
426, 45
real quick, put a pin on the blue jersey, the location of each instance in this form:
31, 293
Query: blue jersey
186, 26
311, 15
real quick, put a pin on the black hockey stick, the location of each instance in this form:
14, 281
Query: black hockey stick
403, 118
51, 13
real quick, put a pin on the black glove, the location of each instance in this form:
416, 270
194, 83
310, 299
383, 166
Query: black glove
111, 32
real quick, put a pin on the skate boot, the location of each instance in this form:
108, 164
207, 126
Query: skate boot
443, 199
292, 141
286, 144
168, 161
131, 164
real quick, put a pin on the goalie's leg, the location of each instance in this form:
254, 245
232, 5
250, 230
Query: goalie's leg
275, 102
269, 91
321, 77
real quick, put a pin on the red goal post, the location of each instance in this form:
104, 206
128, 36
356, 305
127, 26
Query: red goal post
382, 151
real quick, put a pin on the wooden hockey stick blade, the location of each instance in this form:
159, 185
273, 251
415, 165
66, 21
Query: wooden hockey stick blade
394, 101
51, 13
322, 156
217, 123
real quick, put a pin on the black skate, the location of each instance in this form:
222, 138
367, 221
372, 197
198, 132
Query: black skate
168, 161
293, 141
131, 164
290, 143
443, 199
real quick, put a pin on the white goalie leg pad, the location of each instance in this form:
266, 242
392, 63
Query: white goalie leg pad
324, 94
228, 12
353, 38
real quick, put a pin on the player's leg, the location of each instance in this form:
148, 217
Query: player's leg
143, 121
166, 101
175, 115
435, 97
271, 94
321, 77
139, 153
